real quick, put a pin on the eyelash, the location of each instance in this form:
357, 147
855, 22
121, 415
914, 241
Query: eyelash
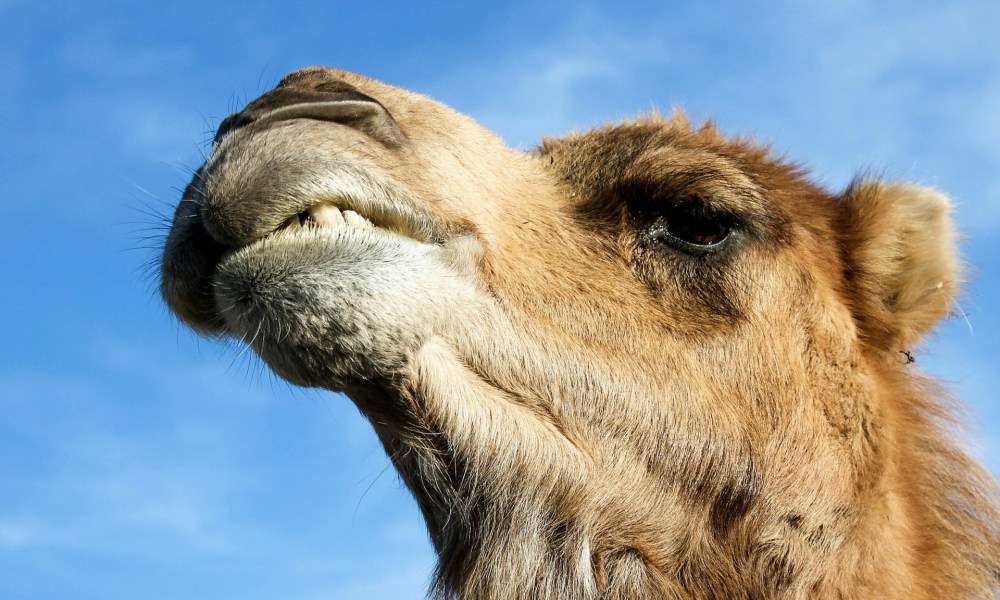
688, 227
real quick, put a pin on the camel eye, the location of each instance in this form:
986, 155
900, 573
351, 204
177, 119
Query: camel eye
691, 229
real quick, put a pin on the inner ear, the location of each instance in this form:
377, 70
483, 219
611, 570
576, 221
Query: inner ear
902, 261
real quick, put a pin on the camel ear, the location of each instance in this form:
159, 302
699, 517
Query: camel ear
902, 260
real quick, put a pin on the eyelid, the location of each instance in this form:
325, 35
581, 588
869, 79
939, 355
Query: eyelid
683, 224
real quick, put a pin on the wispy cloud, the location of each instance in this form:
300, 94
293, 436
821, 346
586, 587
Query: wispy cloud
845, 87
918, 82
150, 129
551, 84
107, 489
176, 473
118, 499
17, 533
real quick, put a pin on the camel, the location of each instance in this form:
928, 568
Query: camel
641, 361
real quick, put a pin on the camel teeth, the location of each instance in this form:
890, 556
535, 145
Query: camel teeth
328, 215
325, 215
355, 219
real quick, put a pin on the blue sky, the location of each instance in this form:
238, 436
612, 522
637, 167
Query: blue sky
138, 461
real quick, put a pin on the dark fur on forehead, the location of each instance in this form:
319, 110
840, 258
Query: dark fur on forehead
594, 157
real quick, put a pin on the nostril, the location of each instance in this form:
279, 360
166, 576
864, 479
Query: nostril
229, 226
235, 222
195, 212
190, 256
230, 124
215, 224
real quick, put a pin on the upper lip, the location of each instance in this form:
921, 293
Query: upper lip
337, 111
350, 108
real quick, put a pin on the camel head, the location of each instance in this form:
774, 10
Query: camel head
643, 361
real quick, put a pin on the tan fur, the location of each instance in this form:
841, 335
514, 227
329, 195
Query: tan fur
581, 409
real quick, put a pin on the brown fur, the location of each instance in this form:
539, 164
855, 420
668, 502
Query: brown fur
580, 409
